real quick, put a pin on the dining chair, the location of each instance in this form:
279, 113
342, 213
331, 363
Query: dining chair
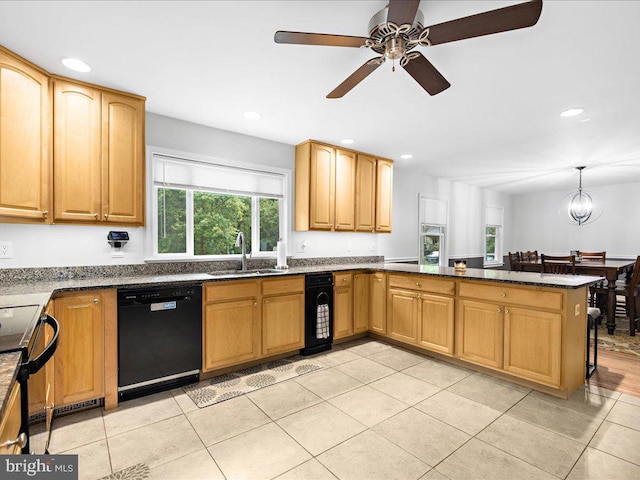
631, 293
514, 262
598, 257
555, 264
567, 265
529, 256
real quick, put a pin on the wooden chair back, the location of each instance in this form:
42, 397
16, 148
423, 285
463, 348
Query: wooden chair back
597, 257
562, 265
529, 256
514, 262
635, 279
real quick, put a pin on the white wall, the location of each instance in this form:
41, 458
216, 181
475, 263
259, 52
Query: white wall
537, 225
66, 245
465, 234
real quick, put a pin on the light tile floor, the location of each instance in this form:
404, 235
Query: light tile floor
374, 411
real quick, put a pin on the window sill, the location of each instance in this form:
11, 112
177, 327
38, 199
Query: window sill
493, 265
207, 258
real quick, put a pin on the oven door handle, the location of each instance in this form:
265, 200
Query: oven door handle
38, 362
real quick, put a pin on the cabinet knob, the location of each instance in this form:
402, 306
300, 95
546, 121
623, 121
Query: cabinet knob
255, 304
266, 301
45, 213
106, 215
21, 441
96, 301
418, 284
498, 310
506, 310
503, 294
344, 279
95, 216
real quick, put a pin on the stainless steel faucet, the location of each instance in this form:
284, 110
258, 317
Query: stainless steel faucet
240, 243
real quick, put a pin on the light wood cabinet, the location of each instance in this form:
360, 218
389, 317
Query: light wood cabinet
421, 312
342, 305
98, 155
231, 326
378, 305
338, 190
365, 193
361, 302
25, 142
384, 188
480, 333
79, 357
282, 315
10, 423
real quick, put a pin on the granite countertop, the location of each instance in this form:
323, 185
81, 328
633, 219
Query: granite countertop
9, 363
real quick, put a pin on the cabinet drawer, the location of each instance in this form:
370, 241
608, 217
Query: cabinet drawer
10, 422
519, 296
423, 284
342, 279
283, 285
217, 291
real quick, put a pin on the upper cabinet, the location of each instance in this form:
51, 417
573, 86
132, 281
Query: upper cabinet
68, 147
24, 140
98, 157
339, 190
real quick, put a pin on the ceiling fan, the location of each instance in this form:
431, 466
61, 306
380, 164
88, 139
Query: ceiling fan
399, 27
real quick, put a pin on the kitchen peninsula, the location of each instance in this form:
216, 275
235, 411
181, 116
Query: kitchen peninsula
529, 328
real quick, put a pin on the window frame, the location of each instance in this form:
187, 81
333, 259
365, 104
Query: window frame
433, 212
497, 261
151, 248
442, 236
494, 218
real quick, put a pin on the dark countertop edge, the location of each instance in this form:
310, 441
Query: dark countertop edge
9, 365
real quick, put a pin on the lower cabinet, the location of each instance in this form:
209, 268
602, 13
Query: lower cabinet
480, 333
282, 315
378, 303
342, 305
246, 320
421, 312
361, 302
10, 423
79, 357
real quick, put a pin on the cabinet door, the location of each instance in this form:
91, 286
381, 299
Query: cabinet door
24, 141
342, 312
361, 301
76, 152
403, 315
79, 358
365, 193
122, 159
480, 333
384, 188
345, 190
322, 187
40, 384
532, 344
10, 423
378, 305
231, 333
435, 328
282, 323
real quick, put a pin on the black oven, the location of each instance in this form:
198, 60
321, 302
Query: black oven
20, 328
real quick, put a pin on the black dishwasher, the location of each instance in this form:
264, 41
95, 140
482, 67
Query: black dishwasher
159, 339
318, 313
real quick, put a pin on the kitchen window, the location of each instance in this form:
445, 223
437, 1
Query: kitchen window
433, 218
199, 208
493, 236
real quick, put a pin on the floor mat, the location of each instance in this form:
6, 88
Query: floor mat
620, 341
231, 385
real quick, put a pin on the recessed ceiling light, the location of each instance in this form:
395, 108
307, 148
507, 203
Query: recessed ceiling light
572, 112
252, 115
406, 156
347, 141
75, 64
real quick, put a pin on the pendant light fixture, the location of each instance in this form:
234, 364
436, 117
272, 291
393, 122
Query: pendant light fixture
580, 207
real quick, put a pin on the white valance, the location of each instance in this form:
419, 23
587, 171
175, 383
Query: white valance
494, 216
433, 211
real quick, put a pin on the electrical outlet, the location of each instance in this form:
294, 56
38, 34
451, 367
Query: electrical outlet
6, 249
349, 246
372, 247
302, 246
576, 309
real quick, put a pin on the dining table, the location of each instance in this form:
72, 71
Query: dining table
610, 269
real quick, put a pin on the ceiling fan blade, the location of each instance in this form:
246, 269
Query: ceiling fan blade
302, 38
354, 79
402, 11
426, 74
504, 19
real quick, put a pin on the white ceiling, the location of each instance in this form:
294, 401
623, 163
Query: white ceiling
497, 126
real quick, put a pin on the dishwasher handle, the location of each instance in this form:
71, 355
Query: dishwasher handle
37, 363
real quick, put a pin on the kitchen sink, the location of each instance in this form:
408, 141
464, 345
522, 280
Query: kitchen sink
247, 273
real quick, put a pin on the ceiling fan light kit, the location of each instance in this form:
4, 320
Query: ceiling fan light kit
399, 27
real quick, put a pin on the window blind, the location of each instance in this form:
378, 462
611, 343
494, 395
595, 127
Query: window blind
433, 211
494, 216
174, 172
